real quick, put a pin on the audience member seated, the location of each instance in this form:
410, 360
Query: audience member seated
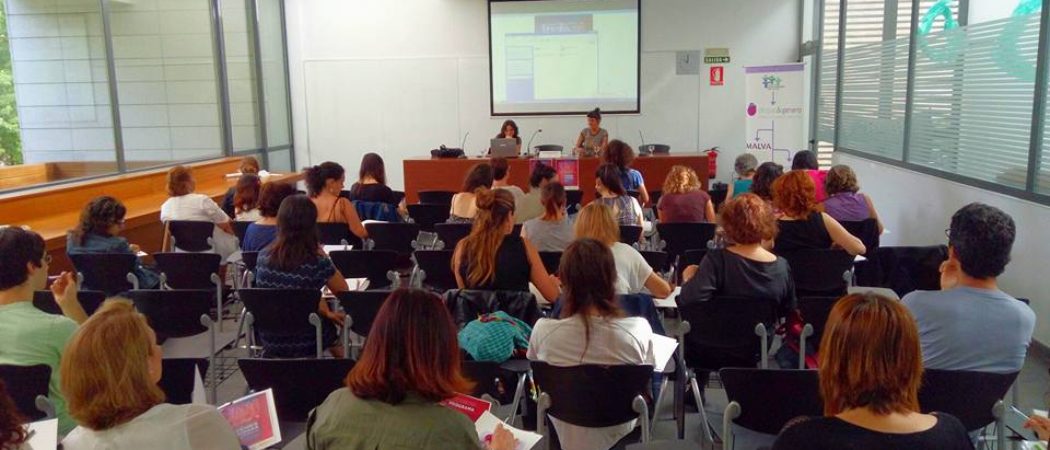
762, 182
844, 203
501, 179
970, 324
110, 373
611, 193
552, 232
870, 372
531, 206
633, 273
371, 183
12, 433
324, 184
29, 336
263, 232
464, 208
99, 232
295, 260
249, 165
184, 204
802, 225
591, 330
683, 200
744, 268
493, 258
246, 200
621, 155
807, 161
410, 363
744, 168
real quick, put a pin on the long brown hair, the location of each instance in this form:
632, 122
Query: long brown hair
495, 207
588, 275
372, 166
246, 197
97, 216
12, 434
412, 348
104, 369
553, 199
870, 356
480, 176
297, 240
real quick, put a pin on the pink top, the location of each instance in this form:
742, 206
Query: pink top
818, 177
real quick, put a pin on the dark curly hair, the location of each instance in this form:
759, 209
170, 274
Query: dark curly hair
765, 175
12, 435
982, 237
18, 247
619, 154
794, 194
97, 216
246, 196
318, 175
540, 173
841, 179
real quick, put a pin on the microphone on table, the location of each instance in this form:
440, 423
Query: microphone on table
464, 142
528, 145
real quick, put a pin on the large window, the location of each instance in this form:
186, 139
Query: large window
97, 87
946, 87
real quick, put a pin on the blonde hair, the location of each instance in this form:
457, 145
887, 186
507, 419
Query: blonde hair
597, 221
681, 179
495, 207
105, 368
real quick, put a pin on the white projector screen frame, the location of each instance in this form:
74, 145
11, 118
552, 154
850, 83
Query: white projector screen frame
537, 109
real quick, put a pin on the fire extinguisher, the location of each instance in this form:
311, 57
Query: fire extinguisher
712, 162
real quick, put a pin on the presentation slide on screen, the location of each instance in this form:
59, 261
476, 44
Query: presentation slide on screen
564, 56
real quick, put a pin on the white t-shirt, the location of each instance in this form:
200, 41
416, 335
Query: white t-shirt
251, 215
201, 207
163, 427
560, 342
631, 269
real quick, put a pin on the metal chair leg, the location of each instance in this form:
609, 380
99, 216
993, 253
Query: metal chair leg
700, 406
519, 392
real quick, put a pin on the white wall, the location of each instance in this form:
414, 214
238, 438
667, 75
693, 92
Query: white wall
916, 208
399, 80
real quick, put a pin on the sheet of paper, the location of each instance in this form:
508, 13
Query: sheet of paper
141, 254
486, 425
669, 302
663, 350
357, 284
337, 248
43, 435
472, 407
254, 419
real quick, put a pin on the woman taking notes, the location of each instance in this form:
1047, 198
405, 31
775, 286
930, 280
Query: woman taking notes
594, 138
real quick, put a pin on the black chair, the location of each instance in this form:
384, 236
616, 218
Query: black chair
663, 445
689, 258
299, 386
193, 271
376, 265
654, 197
822, 273
906, 269
593, 396
718, 194
683, 236
177, 378
191, 235
815, 312
468, 304
436, 267
361, 308
867, 231
240, 228
630, 234
89, 300
112, 273
283, 312
551, 261
764, 400
335, 233
659, 261
451, 233
428, 214
490, 380
573, 200
654, 149
969, 396
28, 387
399, 237
436, 197
399, 196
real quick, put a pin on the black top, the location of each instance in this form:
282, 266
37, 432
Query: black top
227, 203
374, 192
726, 273
830, 433
512, 267
808, 234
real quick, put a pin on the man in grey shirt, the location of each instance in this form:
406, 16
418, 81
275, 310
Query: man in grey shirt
970, 324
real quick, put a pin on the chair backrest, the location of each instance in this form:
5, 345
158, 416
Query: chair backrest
299, 385
240, 228
393, 236
969, 396
659, 261
385, 212
718, 195
654, 197
723, 331
819, 272
335, 233
684, 236
468, 304
177, 377
815, 311
106, 272
867, 231
174, 313
437, 264
592, 395
436, 197
630, 234
362, 307
189, 270
250, 260
428, 214
191, 235
906, 269
452, 233
371, 264
284, 311
89, 300
551, 261
573, 199
769, 399
689, 258
24, 384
